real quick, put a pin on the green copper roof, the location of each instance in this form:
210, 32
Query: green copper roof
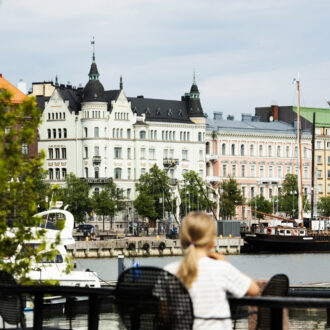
322, 115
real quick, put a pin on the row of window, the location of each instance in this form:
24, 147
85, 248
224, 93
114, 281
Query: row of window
118, 172
261, 151
56, 115
319, 174
94, 114
59, 153
57, 174
121, 115
57, 133
262, 192
262, 171
319, 159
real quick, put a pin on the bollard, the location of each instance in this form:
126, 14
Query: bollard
121, 266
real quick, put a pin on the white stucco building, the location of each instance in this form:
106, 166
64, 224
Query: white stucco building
97, 134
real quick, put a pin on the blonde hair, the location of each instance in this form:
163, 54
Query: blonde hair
198, 230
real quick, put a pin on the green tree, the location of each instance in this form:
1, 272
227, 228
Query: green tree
194, 194
109, 201
261, 204
75, 193
324, 206
231, 196
153, 189
288, 199
18, 195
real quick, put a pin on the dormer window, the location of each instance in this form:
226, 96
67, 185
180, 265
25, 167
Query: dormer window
170, 112
180, 112
148, 111
134, 110
158, 112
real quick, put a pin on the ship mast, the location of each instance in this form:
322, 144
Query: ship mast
300, 185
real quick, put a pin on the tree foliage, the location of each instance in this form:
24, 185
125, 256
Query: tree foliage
18, 186
261, 204
75, 193
231, 196
324, 206
152, 188
288, 199
194, 194
109, 201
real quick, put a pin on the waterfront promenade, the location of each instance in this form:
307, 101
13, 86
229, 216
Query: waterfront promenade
144, 247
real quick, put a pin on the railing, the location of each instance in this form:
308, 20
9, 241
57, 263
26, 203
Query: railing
298, 298
170, 161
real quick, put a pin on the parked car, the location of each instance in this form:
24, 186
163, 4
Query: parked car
84, 227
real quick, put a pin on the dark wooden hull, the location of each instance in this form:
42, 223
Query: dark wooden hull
279, 243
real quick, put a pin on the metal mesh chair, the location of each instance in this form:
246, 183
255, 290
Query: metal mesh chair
152, 298
278, 285
11, 306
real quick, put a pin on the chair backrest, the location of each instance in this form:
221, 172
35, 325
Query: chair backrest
278, 285
11, 306
152, 298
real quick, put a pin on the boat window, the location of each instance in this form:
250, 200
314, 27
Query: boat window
301, 232
282, 231
48, 258
288, 232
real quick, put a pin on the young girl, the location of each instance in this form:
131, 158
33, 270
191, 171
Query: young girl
208, 276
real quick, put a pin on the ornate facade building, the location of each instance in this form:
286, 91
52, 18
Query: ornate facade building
257, 154
97, 134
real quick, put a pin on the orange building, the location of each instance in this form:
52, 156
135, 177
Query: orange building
18, 97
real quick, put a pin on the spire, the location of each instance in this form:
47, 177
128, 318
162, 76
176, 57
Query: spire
56, 80
121, 83
194, 78
194, 92
93, 44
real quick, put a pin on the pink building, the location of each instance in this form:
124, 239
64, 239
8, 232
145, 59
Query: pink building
257, 154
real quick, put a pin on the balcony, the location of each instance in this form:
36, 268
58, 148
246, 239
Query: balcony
211, 157
172, 181
97, 180
269, 181
170, 162
212, 179
96, 160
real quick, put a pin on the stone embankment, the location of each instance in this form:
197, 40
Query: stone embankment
144, 247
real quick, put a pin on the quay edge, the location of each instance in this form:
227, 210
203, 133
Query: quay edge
114, 247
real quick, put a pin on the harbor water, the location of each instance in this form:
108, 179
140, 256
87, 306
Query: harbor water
302, 268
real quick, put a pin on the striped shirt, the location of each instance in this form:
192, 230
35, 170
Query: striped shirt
208, 292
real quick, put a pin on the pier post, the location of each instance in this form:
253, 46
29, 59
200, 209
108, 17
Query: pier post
121, 266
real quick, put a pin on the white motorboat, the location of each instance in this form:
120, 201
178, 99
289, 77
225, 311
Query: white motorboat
56, 268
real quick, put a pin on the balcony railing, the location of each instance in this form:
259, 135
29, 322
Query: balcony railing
96, 159
170, 161
211, 157
210, 178
97, 180
269, 180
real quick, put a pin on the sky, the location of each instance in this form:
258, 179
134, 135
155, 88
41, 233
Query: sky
245, 53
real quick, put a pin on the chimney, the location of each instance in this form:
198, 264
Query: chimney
229, 117
274, 112
217, 115
246, 117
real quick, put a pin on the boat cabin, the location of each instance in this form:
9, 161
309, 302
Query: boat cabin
285, 231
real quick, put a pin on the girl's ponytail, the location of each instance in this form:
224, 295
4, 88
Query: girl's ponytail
198, 230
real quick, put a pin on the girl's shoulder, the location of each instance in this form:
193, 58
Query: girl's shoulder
173, 267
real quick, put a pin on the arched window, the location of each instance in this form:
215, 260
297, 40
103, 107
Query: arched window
56, 115
242, 149
48, 116
278, 153
96, 132
223, 148
86, 132
166, 135
251, 150
287, 151
53, 115
96, 191
49, 133
128, 133
117, 173
60, 115
184, 136
233, 149
59, 133
270, 151
63, 115
180, 136
142, 134
261, 151
113, 132
121, 132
